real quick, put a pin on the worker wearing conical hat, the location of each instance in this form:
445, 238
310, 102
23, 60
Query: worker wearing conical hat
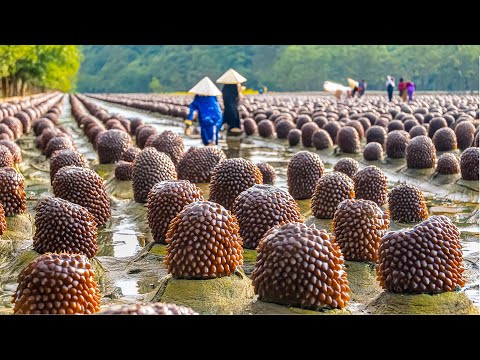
209, 113
231, 92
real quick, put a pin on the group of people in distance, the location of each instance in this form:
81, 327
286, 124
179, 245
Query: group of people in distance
405, 88
205, 103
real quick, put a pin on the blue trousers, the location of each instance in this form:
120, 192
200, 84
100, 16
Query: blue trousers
209, 133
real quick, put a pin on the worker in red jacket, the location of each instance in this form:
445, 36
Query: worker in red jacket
402, 88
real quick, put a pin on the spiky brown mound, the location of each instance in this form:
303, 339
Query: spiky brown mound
406, 204
331, 189
395, 125
283, 127
444, 139
198, 163
143, 133
266, 128
66, 157
3, 221
307, 132
15, 125
348, 140
358, 226
420, 153
300, 266
231, 177
371, 184
303, 172
57, 284
250, 127
397, 142
294, 137
302, 120
436, 124
25, 120
376, 134
417, 130
262, 207
347, 166
6, 158
131, 154
214, 251
111, 145
465, 133
58, 143
333, 127
469, 163
373, 151
150, 167
12, 193
84, 187
425, 259
6, 132
268, 173
357, 126
123, 170
148, 309
171, 144
165, 201
448, 164
321, 140
62, 226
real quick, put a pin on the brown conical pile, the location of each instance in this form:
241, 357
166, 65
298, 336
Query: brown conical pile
406, 204
348, 140
171, 144
62, 226
143, 133
84, 187
66, 157
465, 134
307, 132
198, 163
397, 142
469, 163
294, 137
262, 207
347, 166
331, 189
131, 154
57, 284
250, 127
148, 309
358, 226
321, 140
111, 145
6, 158
165, 201
58, 143
214, 251
123, 170
371, 184
445, 139
300, 266
268, 173
12, 193
373, 151
150, 167
420, 153
303, 172
283, 127
230, 178
3, 221
265, 128
425, 259
448, 164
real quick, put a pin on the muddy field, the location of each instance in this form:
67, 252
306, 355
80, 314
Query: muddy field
130, 268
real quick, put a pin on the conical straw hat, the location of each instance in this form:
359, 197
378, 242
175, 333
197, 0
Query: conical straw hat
205, 87
352, 83
231, 77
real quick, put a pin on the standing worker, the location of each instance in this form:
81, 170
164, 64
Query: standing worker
232, 93
390, 84
410, 90
209, 113
402, 89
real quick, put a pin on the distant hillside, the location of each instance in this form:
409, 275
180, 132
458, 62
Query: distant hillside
158, 68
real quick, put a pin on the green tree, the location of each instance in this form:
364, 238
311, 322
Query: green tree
155, 85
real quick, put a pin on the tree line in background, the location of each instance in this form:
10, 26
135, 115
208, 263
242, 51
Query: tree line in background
165, 68
26, 69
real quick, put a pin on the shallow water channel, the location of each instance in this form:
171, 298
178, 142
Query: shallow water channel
130, 269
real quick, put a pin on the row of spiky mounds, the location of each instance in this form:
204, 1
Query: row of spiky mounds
300, 266
425, 259
12, 183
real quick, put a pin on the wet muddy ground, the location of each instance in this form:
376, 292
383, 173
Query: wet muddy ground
130, 268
